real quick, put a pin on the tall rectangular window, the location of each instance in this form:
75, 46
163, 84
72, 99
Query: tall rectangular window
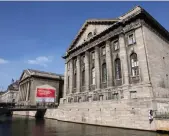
68, 82
83, 78
93, 55
131, 38
116, 45
103, 51
104, 72
75, 80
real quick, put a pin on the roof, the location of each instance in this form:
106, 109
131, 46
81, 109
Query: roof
38, 73
14, 86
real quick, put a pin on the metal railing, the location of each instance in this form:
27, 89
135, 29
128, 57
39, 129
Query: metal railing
161, 115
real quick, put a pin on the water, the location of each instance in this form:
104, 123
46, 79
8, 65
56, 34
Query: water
27, 126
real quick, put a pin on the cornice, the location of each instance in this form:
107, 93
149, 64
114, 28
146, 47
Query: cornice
104, 37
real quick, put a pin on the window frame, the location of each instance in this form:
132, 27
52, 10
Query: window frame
133, 38
104, 69
68, 82
83, 77
134, 64
93, 55
113, 44
75, 80
93, 76
117, 68
103, 50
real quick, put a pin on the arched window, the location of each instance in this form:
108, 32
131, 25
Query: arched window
75, 80
104, 72
89, 35
134, 64
117, 69
93, 76
83, 78
68, 82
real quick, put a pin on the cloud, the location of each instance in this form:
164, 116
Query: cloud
41, 60
3, 61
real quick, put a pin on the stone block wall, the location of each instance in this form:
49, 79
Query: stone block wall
40, 81
124, 113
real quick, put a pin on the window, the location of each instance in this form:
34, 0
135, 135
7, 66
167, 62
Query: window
83, 59
68, 82
117, 69
116, 45
103, 51
75, 62
133, 94
109, 96
83, 78
89, 35
115, 96
68, 65
131, 39
92, 55
104, 72
75, 80
134, 64
93, 76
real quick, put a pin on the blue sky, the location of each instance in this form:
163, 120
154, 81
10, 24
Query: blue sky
36, 34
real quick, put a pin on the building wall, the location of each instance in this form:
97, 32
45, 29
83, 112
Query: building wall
41, 81
134, 101
9, 96
158, 56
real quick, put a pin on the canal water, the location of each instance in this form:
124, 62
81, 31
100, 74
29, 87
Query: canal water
28, 126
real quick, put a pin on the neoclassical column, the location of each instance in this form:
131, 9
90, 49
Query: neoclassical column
87, 70
22, 92
123, 58
25, 87
19, 95
65, 80
97, 67
71, 77
78, 83
109, 64
27, 92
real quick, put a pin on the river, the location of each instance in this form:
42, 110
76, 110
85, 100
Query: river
28, 126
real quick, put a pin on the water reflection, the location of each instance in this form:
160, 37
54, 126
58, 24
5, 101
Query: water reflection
27, 126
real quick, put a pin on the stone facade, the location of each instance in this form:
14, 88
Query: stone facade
30, 80
11, 94
116, 71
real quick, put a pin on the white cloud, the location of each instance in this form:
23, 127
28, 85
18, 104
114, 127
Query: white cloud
3, 61
41, 60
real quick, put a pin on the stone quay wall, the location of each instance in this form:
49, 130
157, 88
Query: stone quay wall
131, 114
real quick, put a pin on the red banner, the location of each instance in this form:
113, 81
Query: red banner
45, 92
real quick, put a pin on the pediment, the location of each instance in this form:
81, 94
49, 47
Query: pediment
24, 75
90, 29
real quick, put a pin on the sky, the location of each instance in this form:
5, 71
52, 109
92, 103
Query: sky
36, 34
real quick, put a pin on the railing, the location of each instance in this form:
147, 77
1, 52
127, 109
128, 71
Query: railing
35, 106
161, 115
